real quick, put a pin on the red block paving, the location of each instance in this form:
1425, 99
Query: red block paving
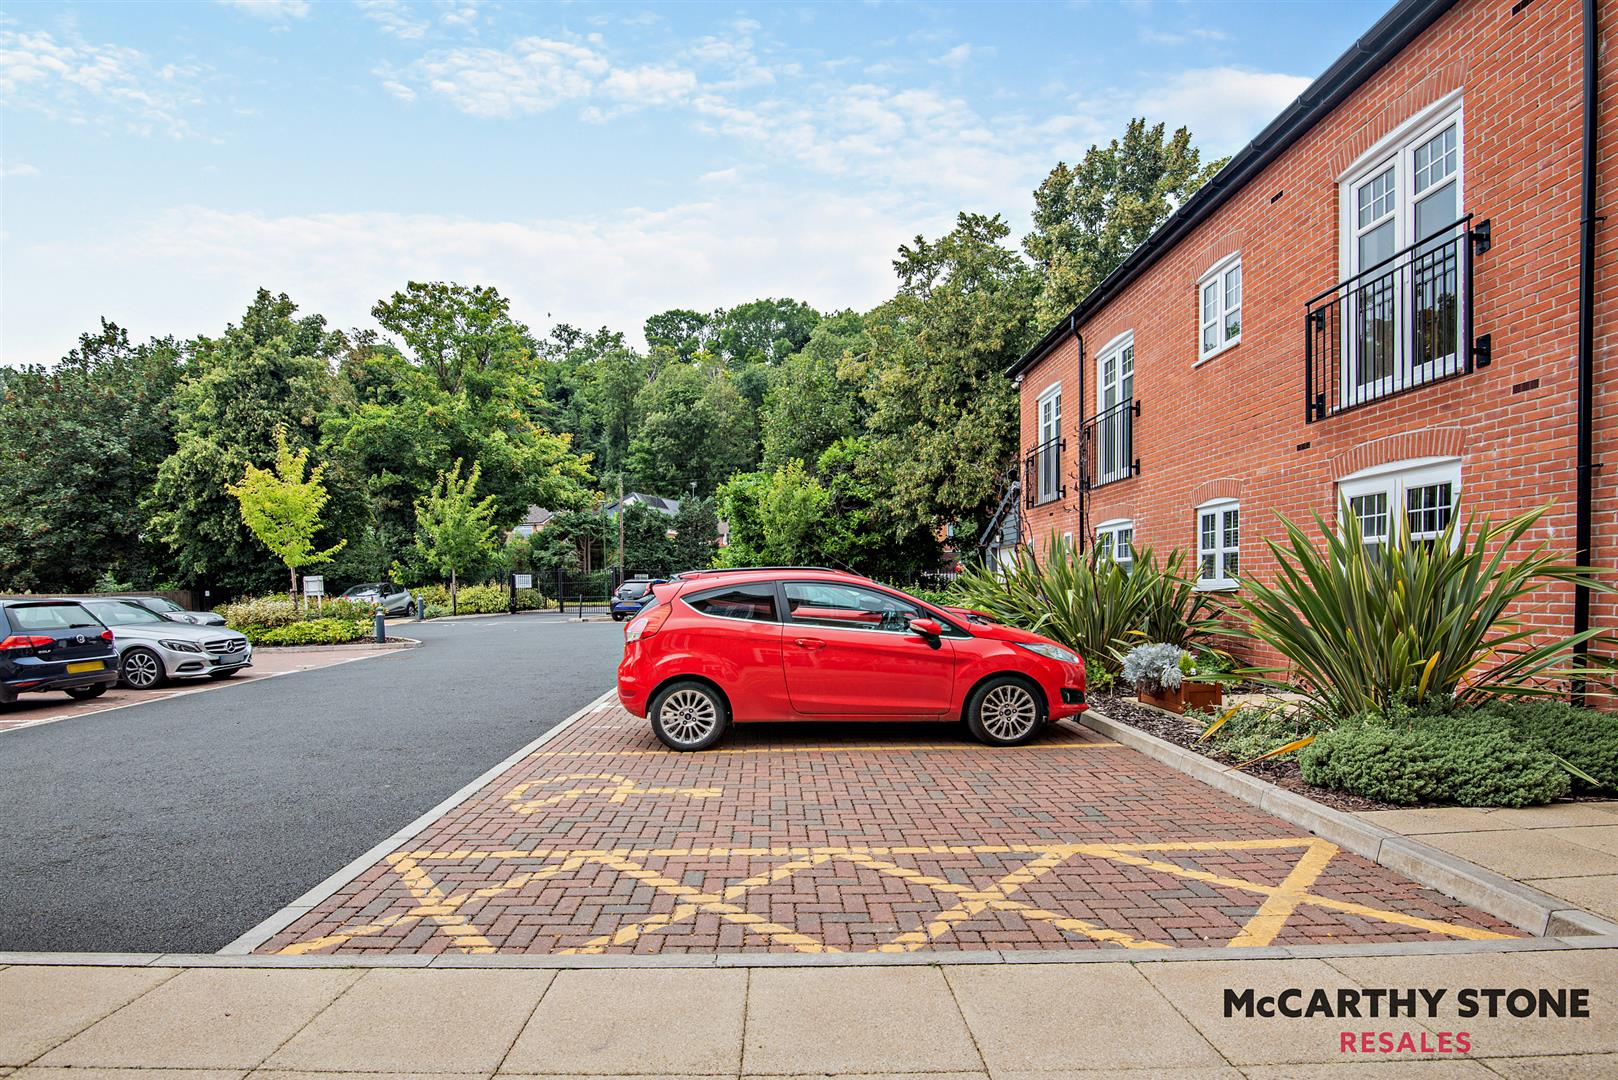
859, 838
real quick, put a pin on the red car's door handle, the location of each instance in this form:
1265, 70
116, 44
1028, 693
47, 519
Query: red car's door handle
809, 643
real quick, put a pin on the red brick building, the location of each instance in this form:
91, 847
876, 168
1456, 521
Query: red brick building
1377, 301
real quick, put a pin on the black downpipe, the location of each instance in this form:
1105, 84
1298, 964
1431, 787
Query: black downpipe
1078, 442
1585, 480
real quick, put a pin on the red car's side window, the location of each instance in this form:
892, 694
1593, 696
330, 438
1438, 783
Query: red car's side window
755, 603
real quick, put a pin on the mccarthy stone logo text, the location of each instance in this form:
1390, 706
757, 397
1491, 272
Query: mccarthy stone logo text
1410, 1002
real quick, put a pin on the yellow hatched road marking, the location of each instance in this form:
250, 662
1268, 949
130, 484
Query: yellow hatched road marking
1280, 901
616, 788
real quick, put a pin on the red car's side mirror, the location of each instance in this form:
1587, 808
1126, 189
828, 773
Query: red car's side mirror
928, 628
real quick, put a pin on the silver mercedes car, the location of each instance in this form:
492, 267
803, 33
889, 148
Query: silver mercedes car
152, 649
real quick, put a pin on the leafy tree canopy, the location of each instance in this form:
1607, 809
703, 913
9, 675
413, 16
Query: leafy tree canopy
1089, 216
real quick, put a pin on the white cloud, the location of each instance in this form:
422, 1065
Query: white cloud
274, 10
957, 56
193, 269
21, 168
1223, 106
78, 82
532, 75
396, 18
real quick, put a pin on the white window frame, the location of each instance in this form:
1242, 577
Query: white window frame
1396, 150
1108, 537
1048, 472
1217, 277
1112, 434
1395, 480
1221, 581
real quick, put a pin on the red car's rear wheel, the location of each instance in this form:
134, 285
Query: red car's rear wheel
689, 715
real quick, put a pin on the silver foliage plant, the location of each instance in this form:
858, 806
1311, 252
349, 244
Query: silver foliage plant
1153, 667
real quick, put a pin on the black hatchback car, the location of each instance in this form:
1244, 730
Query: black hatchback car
54, 645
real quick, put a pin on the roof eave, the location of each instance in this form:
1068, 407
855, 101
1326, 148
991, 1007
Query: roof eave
1374, 49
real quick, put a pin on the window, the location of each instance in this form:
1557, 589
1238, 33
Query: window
755, 603
1115, 397
1401, 211
1116, 541
1417, 496
850, 607
1221, 305
1218, 544
49, 617
1050, 435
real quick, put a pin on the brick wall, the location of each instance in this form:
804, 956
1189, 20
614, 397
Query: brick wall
1234, 425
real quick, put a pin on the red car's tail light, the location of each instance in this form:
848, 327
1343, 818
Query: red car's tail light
27, 641
647, 624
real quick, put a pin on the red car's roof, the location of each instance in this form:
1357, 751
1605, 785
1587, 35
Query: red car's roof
705, 578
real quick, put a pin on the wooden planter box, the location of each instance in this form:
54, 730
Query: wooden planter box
1190, 695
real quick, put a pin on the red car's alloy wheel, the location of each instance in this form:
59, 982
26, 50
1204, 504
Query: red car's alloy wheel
688, 716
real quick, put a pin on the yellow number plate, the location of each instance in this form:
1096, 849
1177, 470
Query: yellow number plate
87, 665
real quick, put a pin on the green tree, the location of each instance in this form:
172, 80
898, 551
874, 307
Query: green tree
396, 421
808, 407
775, 518
456, 332
282, 507
695, 428
1088, 217
696, 535
683, 332
943, 417
764, 331
859, 530
456, 531
272, 370
83, 443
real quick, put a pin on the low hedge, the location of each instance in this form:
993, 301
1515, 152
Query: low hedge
480, 599
1472, 758
1253, 731
309, 632
261, 611
1587, 739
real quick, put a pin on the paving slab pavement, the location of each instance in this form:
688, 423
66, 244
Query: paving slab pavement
1567, 849
1159, 1018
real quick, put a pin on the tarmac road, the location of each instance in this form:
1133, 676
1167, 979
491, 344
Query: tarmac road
176, 825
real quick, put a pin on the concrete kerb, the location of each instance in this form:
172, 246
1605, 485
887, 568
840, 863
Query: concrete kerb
1526, 908
552, 961
267, 929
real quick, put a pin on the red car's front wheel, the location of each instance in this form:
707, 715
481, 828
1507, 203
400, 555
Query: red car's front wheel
1005, 711
689, 715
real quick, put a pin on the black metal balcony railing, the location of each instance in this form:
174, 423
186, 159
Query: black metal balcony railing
1042, 473
1107, 451
1403, 323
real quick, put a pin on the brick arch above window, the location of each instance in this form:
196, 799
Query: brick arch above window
1227, 487
1432, 442
1439, 83
1113, 511
1218, 245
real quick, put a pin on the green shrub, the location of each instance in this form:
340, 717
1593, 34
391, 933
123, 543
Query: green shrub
310, 632
1252, 732
480, 600
1470, 758
1362, 628
1097, 679
1090, 603
263, 612
1585, 738
339, 608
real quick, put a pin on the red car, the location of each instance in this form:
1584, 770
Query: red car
717, 647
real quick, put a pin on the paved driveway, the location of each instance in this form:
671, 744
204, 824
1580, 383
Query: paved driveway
859, 838
175, 825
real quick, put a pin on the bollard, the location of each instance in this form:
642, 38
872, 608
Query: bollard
381, 628
419, 607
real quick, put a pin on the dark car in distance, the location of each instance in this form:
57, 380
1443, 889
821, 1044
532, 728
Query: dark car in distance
630, 597
54, 645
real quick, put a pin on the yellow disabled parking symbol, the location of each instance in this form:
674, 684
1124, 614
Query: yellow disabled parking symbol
617, 789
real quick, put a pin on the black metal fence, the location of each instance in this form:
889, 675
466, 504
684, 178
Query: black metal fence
1404, 323
1107, 445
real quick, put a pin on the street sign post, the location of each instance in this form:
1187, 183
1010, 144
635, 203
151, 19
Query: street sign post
518, 581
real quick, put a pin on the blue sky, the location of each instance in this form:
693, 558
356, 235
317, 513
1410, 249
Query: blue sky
596, 162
